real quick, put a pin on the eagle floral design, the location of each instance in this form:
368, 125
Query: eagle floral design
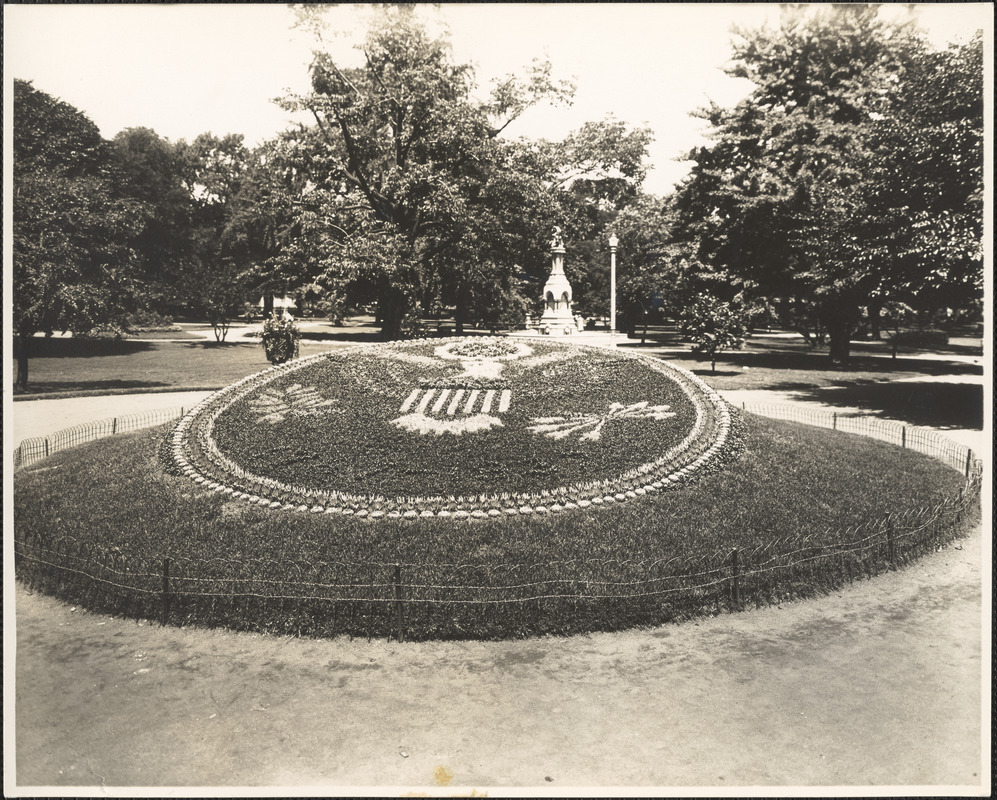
564, 426
275, 405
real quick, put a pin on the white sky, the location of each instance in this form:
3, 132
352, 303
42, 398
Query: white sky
186, 69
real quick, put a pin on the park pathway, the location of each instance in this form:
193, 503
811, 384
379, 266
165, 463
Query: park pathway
35, 418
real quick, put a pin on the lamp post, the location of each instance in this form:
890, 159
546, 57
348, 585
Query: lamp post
613, 241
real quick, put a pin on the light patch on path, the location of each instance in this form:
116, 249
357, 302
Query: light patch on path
36, 418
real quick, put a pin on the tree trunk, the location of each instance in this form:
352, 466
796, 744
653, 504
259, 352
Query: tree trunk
23, 341
839, 317
391, 308
875, 324
839, 334
267, 305
460, 313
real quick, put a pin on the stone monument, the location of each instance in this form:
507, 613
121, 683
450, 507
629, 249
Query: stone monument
557, 318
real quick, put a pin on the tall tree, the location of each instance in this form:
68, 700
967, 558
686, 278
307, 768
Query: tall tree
405, 160
658, 270
72, 238
259, 228
148, 170
600, 170
926, 203
215, 285
785, 196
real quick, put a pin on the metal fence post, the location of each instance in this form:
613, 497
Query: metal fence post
903, 436
166, 589
735, 583
114, 426
969, 461
398, 602
834, 422
46, 447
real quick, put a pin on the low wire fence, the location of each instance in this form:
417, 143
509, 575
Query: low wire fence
36, 448
922, 440
437, 601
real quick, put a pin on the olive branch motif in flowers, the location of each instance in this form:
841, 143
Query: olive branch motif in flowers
563, 426
296, 400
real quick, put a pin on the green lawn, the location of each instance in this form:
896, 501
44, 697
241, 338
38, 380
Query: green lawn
69, 367
74, 367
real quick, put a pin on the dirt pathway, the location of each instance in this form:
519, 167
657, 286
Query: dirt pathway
877, 685
31, 418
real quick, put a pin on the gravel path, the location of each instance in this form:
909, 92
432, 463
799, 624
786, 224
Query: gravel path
31, 418
878, 685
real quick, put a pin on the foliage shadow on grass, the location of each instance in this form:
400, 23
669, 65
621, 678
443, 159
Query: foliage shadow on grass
884, 347
43, 347
210, 344
818, 362
80, 388
720, 373
931, 403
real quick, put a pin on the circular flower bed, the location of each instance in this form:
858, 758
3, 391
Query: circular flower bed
472, 427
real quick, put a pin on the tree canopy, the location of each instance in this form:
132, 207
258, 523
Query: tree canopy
847, 184
407, 190
72, 236
803, 194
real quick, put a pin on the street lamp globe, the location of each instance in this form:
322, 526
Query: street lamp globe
613, 241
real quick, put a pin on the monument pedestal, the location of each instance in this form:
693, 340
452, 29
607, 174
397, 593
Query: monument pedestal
557, 318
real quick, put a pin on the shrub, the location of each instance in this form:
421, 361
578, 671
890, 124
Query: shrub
106, 330
920, 338
145, 320
333, 308
713, 327
280, 339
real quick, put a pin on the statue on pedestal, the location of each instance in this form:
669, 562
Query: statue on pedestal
557, 319
557, 243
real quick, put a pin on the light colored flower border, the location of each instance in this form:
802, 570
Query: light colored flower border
192, 444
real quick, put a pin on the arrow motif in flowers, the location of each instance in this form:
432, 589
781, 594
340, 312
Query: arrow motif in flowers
564, 426
296, 401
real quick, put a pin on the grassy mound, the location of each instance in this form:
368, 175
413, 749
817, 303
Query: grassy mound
805, 509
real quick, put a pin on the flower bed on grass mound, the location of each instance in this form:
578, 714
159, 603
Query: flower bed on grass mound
470, 427
806, 511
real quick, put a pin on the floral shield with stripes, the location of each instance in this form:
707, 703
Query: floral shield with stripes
449, 407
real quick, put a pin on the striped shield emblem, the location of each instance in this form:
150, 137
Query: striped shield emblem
450, 402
